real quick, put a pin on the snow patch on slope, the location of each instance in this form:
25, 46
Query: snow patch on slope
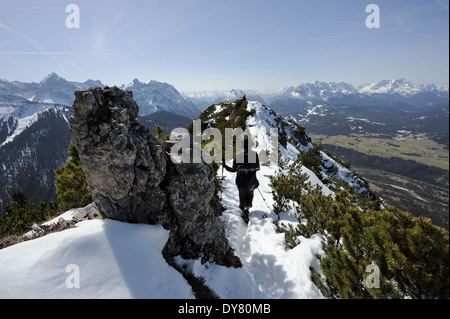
115, 260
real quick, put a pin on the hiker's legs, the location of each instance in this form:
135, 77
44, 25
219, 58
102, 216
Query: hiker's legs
245, 198
249, 199
242, 198
245, 203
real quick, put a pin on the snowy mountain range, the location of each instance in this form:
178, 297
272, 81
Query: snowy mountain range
52, 89
402, 87
34, 135
317, 91
153, 96
398, 93
31, 111
206, 98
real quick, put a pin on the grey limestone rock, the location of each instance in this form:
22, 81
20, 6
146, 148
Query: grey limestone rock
132, 179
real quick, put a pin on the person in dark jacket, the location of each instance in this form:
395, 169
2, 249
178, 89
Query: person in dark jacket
246, 165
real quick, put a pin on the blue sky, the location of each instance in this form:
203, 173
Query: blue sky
199, 45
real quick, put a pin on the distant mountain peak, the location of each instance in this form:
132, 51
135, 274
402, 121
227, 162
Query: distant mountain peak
152, 96
52, 77
399, 86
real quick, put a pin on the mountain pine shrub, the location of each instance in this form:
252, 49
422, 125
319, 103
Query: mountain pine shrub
22, 213
71, 186
312, 160
159, 132
410, 255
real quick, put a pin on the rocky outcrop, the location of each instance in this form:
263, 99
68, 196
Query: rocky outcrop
123, 163
132, 179
190, 188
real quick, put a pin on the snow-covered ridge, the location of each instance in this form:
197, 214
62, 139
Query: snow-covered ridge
110, 259
152, 96
52, 89
320, 92
19, 116
400, 86
259, 126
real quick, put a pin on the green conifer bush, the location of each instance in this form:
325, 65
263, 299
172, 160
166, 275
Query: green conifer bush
409, 256
22, 213
71, 186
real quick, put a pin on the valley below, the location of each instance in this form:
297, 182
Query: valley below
406, 146
421, 189
403, 152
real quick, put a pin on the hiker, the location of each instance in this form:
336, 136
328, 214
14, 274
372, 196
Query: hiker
245, 165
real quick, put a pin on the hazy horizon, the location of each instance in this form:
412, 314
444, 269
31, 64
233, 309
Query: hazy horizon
224, 89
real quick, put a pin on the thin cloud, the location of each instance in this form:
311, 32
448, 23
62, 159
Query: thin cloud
38, 53
410, 30
279, 44
442, 3
35, 44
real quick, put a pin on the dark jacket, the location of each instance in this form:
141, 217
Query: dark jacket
246, 168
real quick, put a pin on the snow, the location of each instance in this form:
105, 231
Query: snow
352, 119
399, 86
114, 260
317, 91
20, 109
25, 115
315, 110
342, 173
22, 124
152, 96
269, 269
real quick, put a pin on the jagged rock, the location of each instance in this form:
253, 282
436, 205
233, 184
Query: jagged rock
190, 190
132, 179
123, 162
87, 213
